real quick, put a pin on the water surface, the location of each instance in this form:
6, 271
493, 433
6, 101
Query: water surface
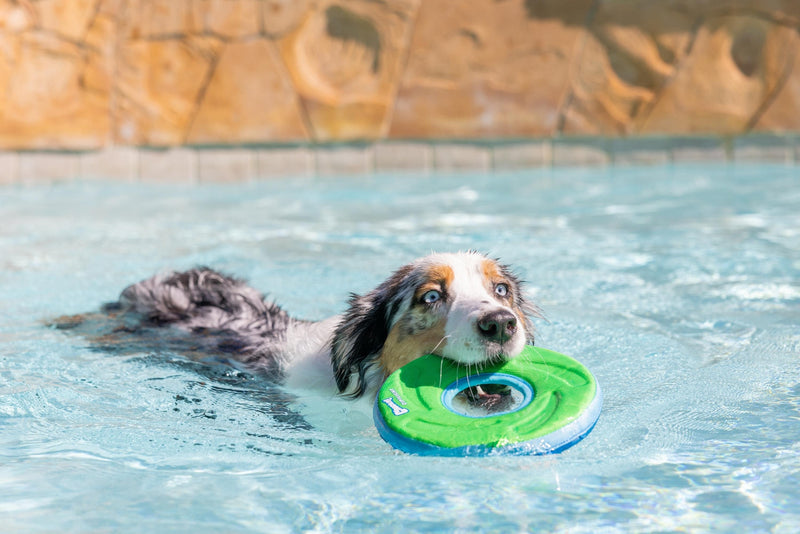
677, 286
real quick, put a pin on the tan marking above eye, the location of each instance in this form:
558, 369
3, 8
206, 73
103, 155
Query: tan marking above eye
438, 278
492, 276
443, 274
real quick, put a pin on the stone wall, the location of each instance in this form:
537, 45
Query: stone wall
91, 74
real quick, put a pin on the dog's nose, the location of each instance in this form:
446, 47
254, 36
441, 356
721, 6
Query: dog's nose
498, 325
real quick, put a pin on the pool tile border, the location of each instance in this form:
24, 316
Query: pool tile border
9, 168
239, 164
172, 165
404, 157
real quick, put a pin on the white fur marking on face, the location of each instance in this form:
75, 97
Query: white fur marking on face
470, 299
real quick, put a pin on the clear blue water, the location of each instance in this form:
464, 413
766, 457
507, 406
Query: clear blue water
677, 286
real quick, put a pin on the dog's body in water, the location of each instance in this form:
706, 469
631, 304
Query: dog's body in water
461, 306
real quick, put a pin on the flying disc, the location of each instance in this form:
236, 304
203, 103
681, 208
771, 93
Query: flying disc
432, 406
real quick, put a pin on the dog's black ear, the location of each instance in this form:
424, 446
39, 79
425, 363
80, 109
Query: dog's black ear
359, 338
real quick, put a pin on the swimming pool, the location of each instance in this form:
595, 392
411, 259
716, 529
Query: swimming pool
677, 286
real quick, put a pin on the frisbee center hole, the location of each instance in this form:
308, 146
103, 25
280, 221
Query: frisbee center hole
485, 400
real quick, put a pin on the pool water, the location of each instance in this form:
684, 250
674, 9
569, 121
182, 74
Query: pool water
678, 287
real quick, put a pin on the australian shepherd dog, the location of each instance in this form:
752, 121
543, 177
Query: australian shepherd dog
462, 306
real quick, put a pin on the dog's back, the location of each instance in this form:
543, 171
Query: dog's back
199, 312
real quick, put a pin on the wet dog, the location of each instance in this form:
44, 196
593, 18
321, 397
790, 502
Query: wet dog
462, 306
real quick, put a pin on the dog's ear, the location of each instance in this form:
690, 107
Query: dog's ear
359, 338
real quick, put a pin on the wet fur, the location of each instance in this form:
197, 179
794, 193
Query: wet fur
211, 315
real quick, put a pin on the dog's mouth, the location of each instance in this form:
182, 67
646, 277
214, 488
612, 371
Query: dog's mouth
479, 353
487, 398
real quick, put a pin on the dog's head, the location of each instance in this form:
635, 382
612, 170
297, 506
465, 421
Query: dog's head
464, 307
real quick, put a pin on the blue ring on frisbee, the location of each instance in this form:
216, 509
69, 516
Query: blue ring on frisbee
558, 402
515, 382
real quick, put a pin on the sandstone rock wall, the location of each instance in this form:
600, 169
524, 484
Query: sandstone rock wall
87, 74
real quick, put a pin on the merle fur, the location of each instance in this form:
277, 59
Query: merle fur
204, 312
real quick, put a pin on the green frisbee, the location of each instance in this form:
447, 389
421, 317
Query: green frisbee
549, 402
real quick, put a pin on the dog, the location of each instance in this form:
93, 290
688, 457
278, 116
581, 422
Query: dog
462, 306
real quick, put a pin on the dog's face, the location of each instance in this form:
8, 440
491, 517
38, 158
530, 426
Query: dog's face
464, 307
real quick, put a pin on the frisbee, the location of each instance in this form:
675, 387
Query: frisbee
538, 402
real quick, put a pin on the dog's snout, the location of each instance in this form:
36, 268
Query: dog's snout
498, 325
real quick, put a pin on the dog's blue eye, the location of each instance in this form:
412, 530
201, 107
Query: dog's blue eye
501, 290
431, 296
